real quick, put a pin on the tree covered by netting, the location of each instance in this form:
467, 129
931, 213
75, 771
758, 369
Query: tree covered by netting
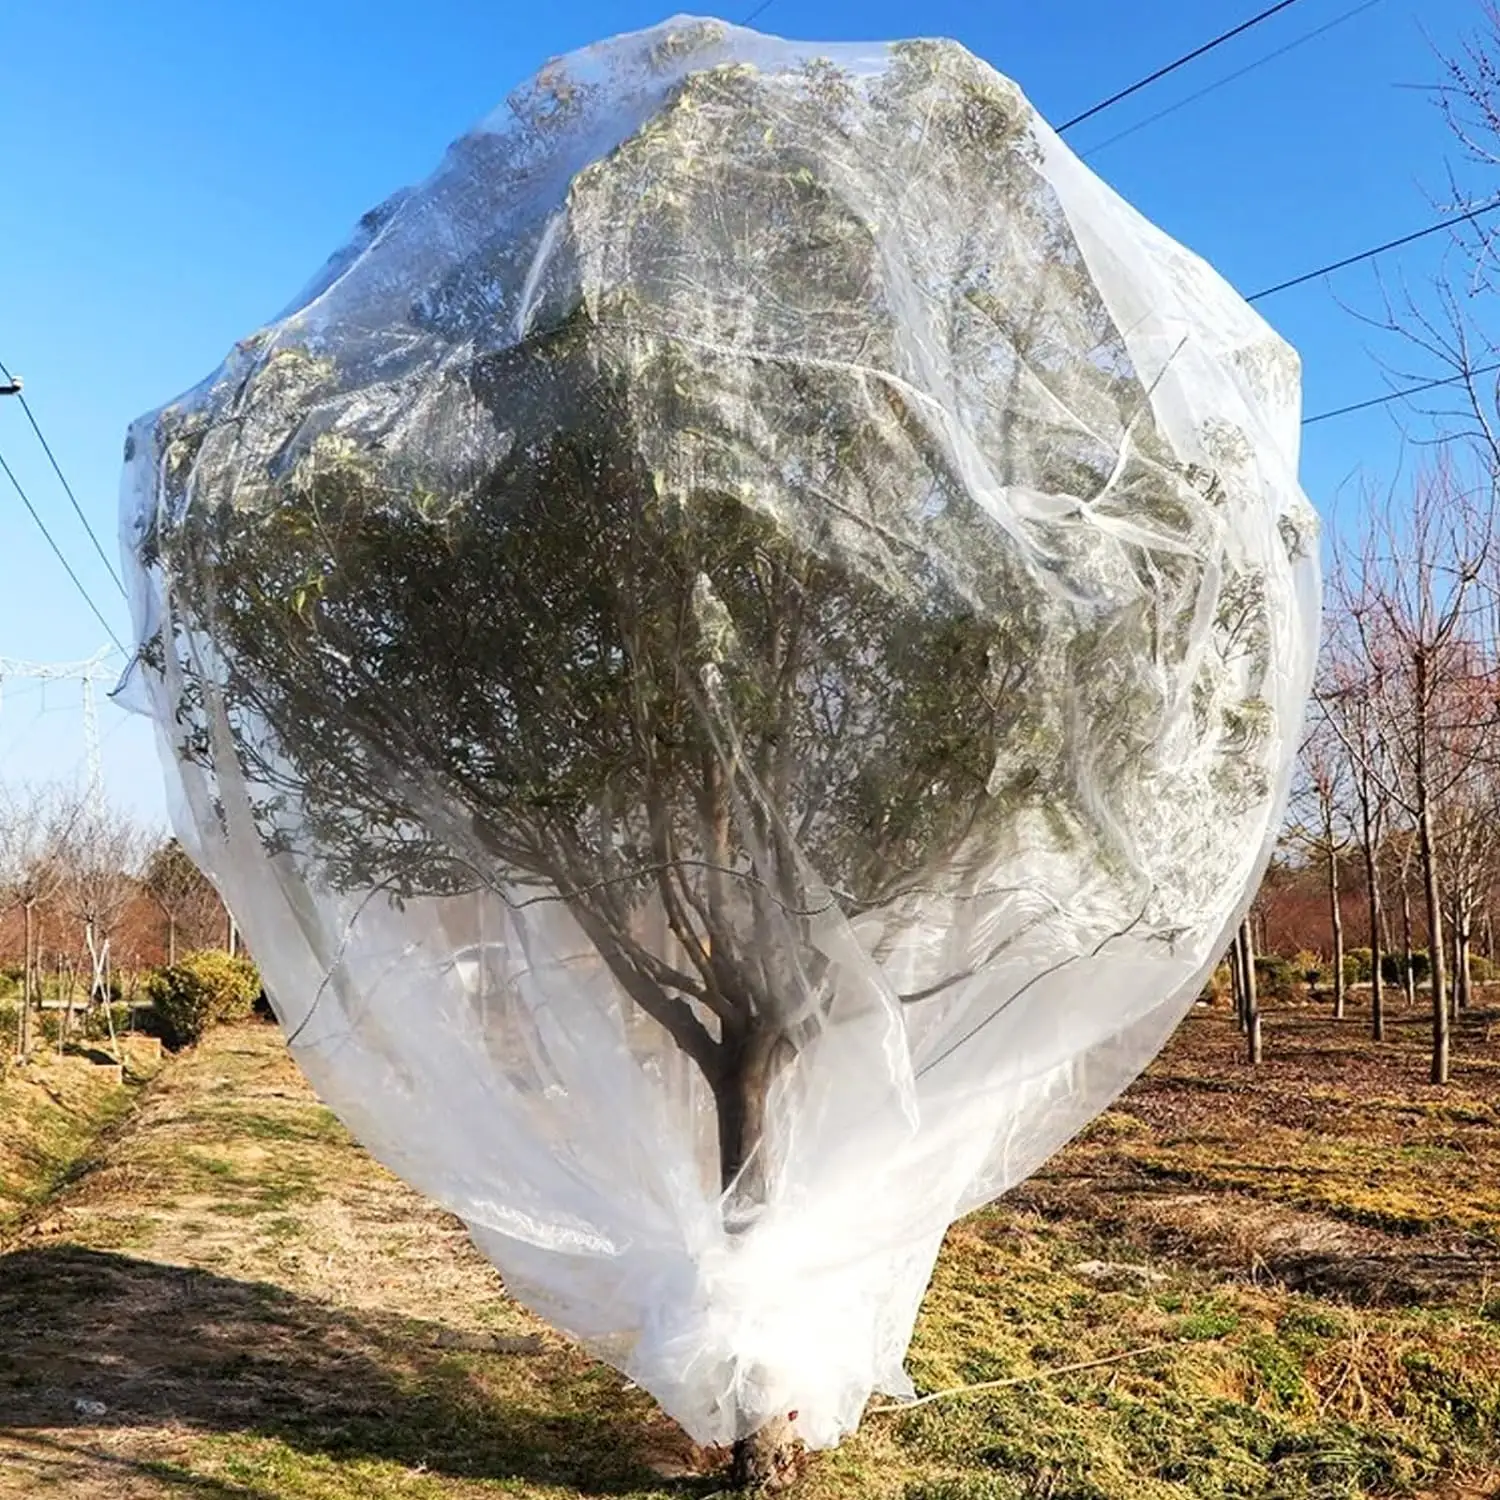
735, 655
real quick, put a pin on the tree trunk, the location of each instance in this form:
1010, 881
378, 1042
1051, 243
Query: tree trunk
1252, 999
768, 1460
1463, 974
1338, 933
1437, 961
771, 1458
1377, 981
29, 977
1408, 955
171, 940
1237, 968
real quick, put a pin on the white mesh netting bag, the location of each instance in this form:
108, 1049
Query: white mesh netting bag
736, 657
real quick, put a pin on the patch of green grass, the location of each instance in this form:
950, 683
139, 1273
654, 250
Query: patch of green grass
1256, 1393
1209, 1324
303, 1126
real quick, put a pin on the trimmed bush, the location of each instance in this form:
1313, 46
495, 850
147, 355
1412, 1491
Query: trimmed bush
1358, 966
1481, 970
204, 989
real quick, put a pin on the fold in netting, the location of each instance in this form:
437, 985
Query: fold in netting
736, 656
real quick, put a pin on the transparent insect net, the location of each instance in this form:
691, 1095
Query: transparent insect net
736, 657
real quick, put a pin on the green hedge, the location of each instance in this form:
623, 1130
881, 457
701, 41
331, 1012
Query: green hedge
204, 989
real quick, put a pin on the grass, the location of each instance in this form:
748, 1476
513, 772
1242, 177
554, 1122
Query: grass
51, 1112
1308, 1251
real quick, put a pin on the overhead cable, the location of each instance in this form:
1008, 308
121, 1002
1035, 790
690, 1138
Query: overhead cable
1174, 65
1410, 390
57, 469
61, 557
1260, 62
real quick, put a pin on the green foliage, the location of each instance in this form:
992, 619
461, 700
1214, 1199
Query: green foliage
1213, 1323
98, 1021
1358, 965
702, 623
1275, 977
1312, 969
1274, 1373
1481, 970
205, 989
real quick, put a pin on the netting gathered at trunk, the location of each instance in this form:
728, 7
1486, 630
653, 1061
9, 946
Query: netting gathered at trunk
736, 657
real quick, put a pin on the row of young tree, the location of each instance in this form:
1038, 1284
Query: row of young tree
1400, 769
85, 892
1400, 772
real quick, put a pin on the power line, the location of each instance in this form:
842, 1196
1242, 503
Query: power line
1173, 66
1350, 260
1260, 62
51, 542
57, 469
1410, 390
764, 5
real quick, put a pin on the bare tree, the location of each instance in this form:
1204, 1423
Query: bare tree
102, 875
1348, 700
1416, 594
1404, 863
36, 824
1467, 850
1322, 825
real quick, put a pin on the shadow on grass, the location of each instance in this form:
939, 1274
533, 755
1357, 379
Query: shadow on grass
159, 1345
56, 1462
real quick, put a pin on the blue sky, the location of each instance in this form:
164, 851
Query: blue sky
171, 173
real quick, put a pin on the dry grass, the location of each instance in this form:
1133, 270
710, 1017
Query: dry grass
1335, 1167
265, 1314
50, 1113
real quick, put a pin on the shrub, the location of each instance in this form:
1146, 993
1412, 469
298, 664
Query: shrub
1274, 976
1218, 986
1481, 970
1312, 969
96, 1021
1393, 967
1358, 965
204, 989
